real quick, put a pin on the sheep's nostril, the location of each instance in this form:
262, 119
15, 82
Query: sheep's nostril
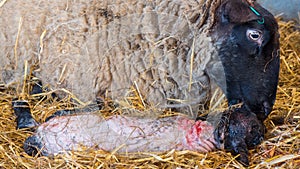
267, 108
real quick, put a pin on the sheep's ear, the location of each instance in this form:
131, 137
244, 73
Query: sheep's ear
237, 12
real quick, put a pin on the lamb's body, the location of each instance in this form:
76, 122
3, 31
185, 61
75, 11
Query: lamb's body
235, 129
125, 134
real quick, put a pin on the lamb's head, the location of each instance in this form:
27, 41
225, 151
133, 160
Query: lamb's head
237, 131
247, 39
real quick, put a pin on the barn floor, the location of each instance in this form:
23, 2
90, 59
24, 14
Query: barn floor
280, 149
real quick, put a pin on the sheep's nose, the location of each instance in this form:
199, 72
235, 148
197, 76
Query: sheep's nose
33, 146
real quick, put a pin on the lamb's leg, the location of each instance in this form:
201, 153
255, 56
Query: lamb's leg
87, 109
37, 88
22, 110
23, 113
61, 113
33, 146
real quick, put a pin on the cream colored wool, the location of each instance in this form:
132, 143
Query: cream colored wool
103, 48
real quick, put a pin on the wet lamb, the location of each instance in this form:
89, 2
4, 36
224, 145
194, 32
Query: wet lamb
236, 130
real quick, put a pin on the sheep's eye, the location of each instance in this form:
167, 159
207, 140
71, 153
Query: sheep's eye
253, 34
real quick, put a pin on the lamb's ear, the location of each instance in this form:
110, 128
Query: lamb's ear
240, 148
237, 12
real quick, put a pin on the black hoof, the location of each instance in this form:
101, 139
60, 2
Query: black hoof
23, 113
33, 146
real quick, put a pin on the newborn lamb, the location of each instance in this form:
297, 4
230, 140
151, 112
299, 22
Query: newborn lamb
235, 130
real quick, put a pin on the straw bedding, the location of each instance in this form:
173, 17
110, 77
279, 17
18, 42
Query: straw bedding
280, 149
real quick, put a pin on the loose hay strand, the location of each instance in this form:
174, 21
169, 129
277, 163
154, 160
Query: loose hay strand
24, 80
191, 65
139, 94
17, 42
2, 3
41, 45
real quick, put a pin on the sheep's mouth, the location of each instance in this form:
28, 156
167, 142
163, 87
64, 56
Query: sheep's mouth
260, 104
262, 111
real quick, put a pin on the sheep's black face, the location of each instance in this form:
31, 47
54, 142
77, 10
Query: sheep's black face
249, 52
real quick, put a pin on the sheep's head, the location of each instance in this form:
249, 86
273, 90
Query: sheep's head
237, 131
247, 39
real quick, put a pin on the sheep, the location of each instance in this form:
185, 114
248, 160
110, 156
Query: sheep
174, 53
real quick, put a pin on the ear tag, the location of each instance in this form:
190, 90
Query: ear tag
262, 20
